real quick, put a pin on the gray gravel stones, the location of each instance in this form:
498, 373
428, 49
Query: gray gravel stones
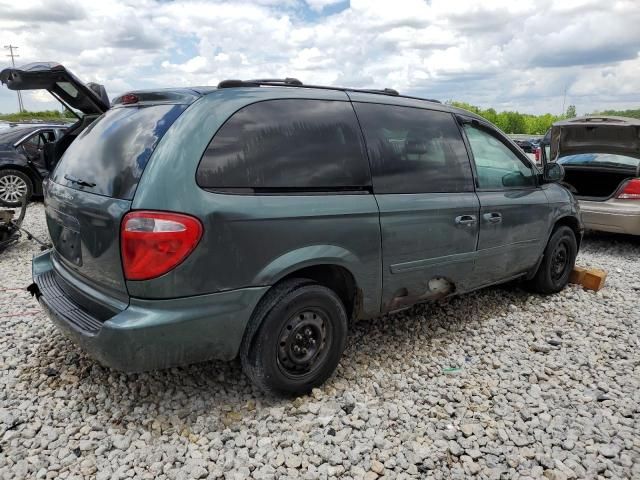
469, 388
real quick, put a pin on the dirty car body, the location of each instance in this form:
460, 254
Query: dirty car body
601, 158
256, 218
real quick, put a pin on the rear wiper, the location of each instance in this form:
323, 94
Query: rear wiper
79, 181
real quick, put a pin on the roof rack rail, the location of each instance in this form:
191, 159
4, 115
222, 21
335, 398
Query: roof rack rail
289, 81
386, 91
294, 82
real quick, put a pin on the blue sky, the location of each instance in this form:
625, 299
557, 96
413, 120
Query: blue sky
519, 55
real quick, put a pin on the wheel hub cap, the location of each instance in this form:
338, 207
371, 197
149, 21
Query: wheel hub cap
12, 188
302, 342
559, 261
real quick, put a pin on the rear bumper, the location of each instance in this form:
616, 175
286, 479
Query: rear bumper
617, 216
150, 334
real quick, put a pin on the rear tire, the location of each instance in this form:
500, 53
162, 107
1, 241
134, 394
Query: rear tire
557, 263
14, 184
295, 338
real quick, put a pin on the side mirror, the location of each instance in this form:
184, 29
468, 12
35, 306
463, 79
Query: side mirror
553, 172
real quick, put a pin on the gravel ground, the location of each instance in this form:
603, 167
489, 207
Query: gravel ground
498, 384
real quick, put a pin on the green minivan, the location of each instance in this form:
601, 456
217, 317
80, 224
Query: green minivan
259, 218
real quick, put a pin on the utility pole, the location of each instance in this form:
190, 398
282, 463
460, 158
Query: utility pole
11, 48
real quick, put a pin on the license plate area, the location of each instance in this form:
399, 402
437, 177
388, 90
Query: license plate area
65, 235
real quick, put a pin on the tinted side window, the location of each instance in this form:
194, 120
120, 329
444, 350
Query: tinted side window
497, 166
413, 150
286, 144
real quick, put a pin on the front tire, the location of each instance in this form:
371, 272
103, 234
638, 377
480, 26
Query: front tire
295, 338
557, 263
14, 185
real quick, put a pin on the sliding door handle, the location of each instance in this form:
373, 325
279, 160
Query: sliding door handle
466, 220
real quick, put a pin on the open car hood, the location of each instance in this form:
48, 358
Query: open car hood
89, 98
616, 135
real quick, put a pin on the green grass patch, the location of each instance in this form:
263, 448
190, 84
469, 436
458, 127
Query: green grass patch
48, 115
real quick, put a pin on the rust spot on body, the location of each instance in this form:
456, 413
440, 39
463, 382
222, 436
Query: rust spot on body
438, 287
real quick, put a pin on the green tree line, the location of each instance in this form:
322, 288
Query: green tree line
42, 115
621, 113
516, 122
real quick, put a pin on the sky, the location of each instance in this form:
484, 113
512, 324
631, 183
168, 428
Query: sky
525, 55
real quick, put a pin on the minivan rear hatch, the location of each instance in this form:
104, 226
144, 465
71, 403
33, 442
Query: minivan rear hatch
92, 188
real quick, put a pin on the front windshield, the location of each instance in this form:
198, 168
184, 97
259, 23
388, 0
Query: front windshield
599, 159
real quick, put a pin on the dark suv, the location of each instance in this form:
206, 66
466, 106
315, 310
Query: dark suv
259, 218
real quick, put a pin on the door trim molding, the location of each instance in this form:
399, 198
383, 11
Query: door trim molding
487, 252
431, 262
457, 257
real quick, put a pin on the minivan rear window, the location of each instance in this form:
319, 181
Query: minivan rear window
109, 156
287, 145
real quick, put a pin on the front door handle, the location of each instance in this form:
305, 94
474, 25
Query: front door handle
466, 220
493, 217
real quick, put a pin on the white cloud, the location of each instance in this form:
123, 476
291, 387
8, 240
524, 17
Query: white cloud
502, 53
318, 5
40, 96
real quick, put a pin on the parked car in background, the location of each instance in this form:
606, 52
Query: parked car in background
601, 158
543, 144
26, 157
22, 166
525, 145
259, 218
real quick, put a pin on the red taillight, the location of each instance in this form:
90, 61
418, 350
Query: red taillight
129, 98
630, 190
152, 243
537, 154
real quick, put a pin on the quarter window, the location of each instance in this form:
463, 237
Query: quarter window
35, 143
497, 166
290, 144
414, 150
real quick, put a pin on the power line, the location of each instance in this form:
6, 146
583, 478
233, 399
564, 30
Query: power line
11, 48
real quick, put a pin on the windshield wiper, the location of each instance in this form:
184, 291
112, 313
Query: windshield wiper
79, 181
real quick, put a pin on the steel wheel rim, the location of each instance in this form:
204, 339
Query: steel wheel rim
12, 188
304, 343
559, 260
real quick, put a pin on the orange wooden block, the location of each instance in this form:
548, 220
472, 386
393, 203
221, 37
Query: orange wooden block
589, 278
594, 279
